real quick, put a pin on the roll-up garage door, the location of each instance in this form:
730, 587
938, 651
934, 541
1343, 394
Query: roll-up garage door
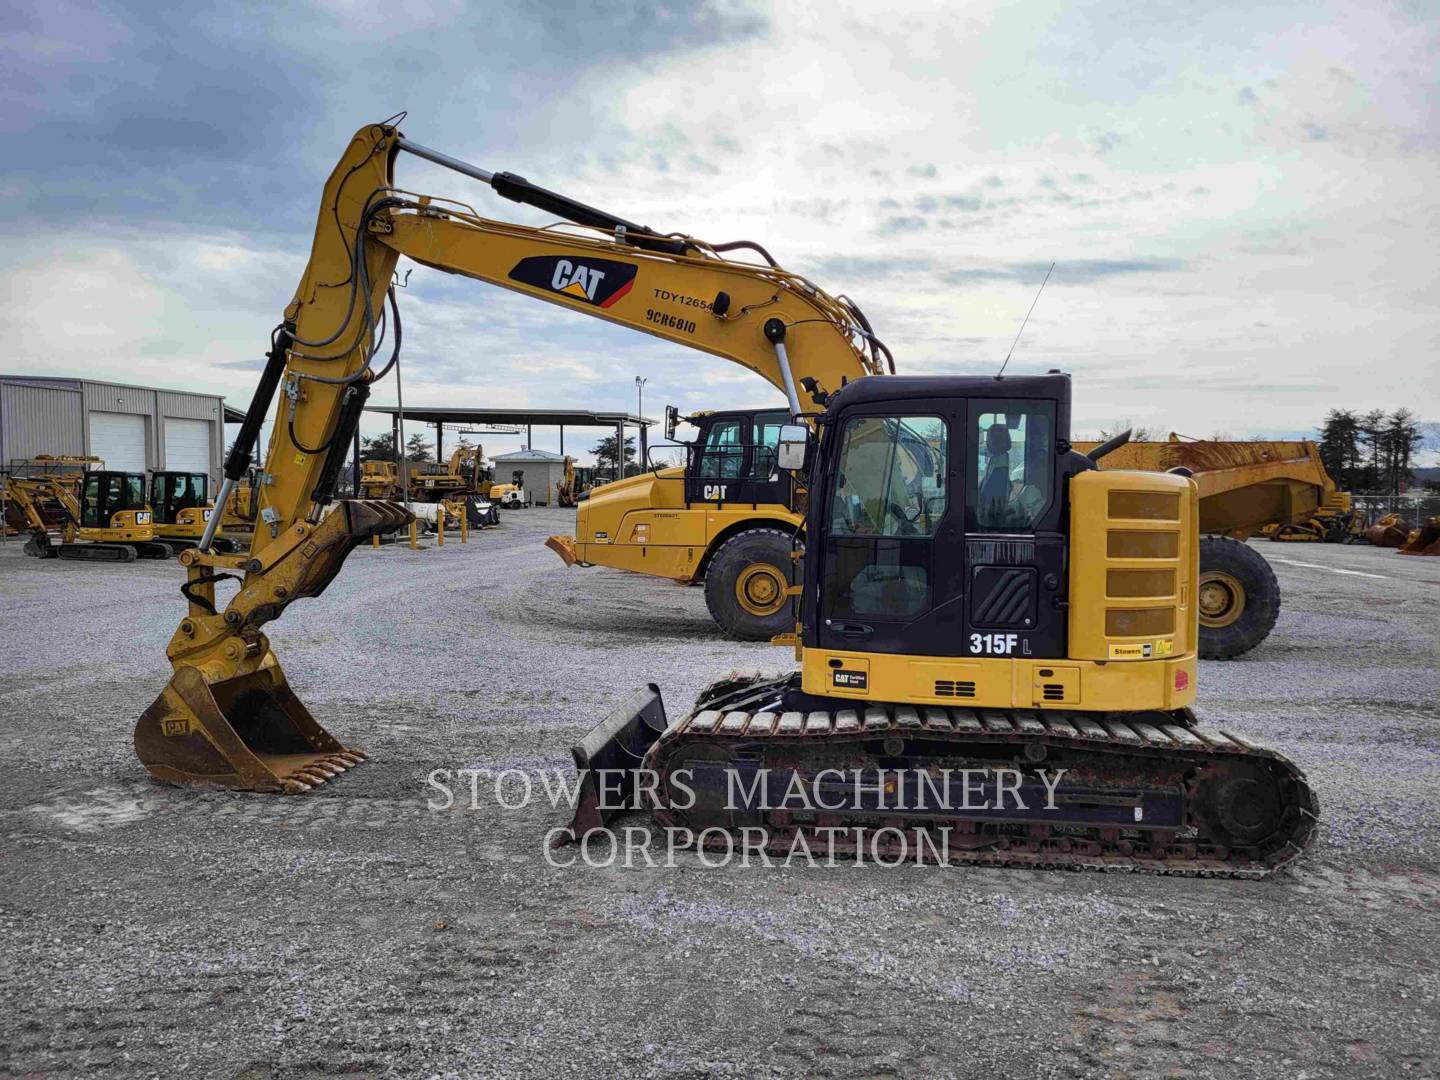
119, 438
187, 445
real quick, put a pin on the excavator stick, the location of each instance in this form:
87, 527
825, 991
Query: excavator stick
607, 761
1424, 540
228, 717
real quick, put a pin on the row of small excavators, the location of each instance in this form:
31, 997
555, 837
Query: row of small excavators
69, 510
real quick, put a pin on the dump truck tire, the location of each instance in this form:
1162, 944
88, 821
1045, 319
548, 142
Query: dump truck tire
745, 585
1239, 598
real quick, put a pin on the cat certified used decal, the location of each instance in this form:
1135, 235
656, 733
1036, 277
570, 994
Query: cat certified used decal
599, 282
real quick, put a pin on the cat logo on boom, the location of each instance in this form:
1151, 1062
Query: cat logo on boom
598, 282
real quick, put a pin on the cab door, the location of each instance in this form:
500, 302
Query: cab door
891, 579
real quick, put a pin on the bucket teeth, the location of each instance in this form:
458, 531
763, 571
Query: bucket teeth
292, 786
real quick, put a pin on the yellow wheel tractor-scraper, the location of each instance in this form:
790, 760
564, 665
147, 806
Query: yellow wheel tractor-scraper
976, 599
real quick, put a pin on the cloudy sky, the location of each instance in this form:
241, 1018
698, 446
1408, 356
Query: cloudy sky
1242, 201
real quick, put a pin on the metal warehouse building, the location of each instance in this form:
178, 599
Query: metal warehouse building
133, 428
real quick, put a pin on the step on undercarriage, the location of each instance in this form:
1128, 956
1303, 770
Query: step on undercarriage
762, 766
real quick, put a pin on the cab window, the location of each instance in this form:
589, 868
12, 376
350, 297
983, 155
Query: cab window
1014, 464
888, 502
723, 455
891, 477
767, 440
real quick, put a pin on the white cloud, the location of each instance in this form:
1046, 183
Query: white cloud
1240, 203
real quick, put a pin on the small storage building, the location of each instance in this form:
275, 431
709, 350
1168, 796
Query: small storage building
542, 473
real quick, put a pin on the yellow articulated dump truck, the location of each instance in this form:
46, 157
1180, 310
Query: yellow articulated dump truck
1244, 487
724, 518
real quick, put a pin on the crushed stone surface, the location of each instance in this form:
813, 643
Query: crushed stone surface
147, 930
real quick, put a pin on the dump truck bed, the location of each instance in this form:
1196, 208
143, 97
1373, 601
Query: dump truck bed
1244, 486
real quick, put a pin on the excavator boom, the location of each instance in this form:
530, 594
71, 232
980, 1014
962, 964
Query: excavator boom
228, 716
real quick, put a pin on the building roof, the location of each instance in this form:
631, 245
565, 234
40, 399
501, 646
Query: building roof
545, 417
63, 382
528, 455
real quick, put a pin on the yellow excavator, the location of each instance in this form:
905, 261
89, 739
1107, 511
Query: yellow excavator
182, 508
974, 594
565, 493
105, 517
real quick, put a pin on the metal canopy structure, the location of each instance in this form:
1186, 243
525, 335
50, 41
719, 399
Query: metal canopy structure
529, 419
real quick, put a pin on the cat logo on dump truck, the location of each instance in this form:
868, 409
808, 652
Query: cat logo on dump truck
599, 282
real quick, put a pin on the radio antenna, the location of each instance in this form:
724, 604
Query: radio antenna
1024, 321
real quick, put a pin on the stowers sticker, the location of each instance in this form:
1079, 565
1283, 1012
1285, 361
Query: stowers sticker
599, 282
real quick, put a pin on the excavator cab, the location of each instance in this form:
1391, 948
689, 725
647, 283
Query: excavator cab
182, 506
981, 608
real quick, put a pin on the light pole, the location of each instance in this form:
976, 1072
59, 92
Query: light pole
640, 412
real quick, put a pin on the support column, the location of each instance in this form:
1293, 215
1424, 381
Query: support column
562, 440
620, 450
644, 444
439, 440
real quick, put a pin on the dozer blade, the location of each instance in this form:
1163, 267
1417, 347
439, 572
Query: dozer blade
249, 733
564, 546
608, 759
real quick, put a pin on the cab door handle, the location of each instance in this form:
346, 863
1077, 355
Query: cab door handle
853, 631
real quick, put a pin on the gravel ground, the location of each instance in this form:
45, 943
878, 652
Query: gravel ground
146, 930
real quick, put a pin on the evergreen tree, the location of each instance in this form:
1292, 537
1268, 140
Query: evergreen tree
604, 452
379, 448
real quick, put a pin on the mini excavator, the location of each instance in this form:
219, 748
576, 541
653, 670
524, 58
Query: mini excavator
972, 591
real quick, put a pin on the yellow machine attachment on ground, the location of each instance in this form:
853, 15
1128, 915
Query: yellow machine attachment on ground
1335, 522
1245, 488
1425, 540
1035, 615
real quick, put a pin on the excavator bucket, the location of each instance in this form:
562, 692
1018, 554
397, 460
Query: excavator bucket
607, 762
234, 722
564, 546
1425, 540
250, 732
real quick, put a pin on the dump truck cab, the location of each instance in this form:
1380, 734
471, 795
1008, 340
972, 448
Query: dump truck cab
723, 518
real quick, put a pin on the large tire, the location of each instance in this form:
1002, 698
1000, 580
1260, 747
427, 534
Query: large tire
754, 564
1239, 598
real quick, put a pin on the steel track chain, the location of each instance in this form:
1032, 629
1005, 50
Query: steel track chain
1174, 735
